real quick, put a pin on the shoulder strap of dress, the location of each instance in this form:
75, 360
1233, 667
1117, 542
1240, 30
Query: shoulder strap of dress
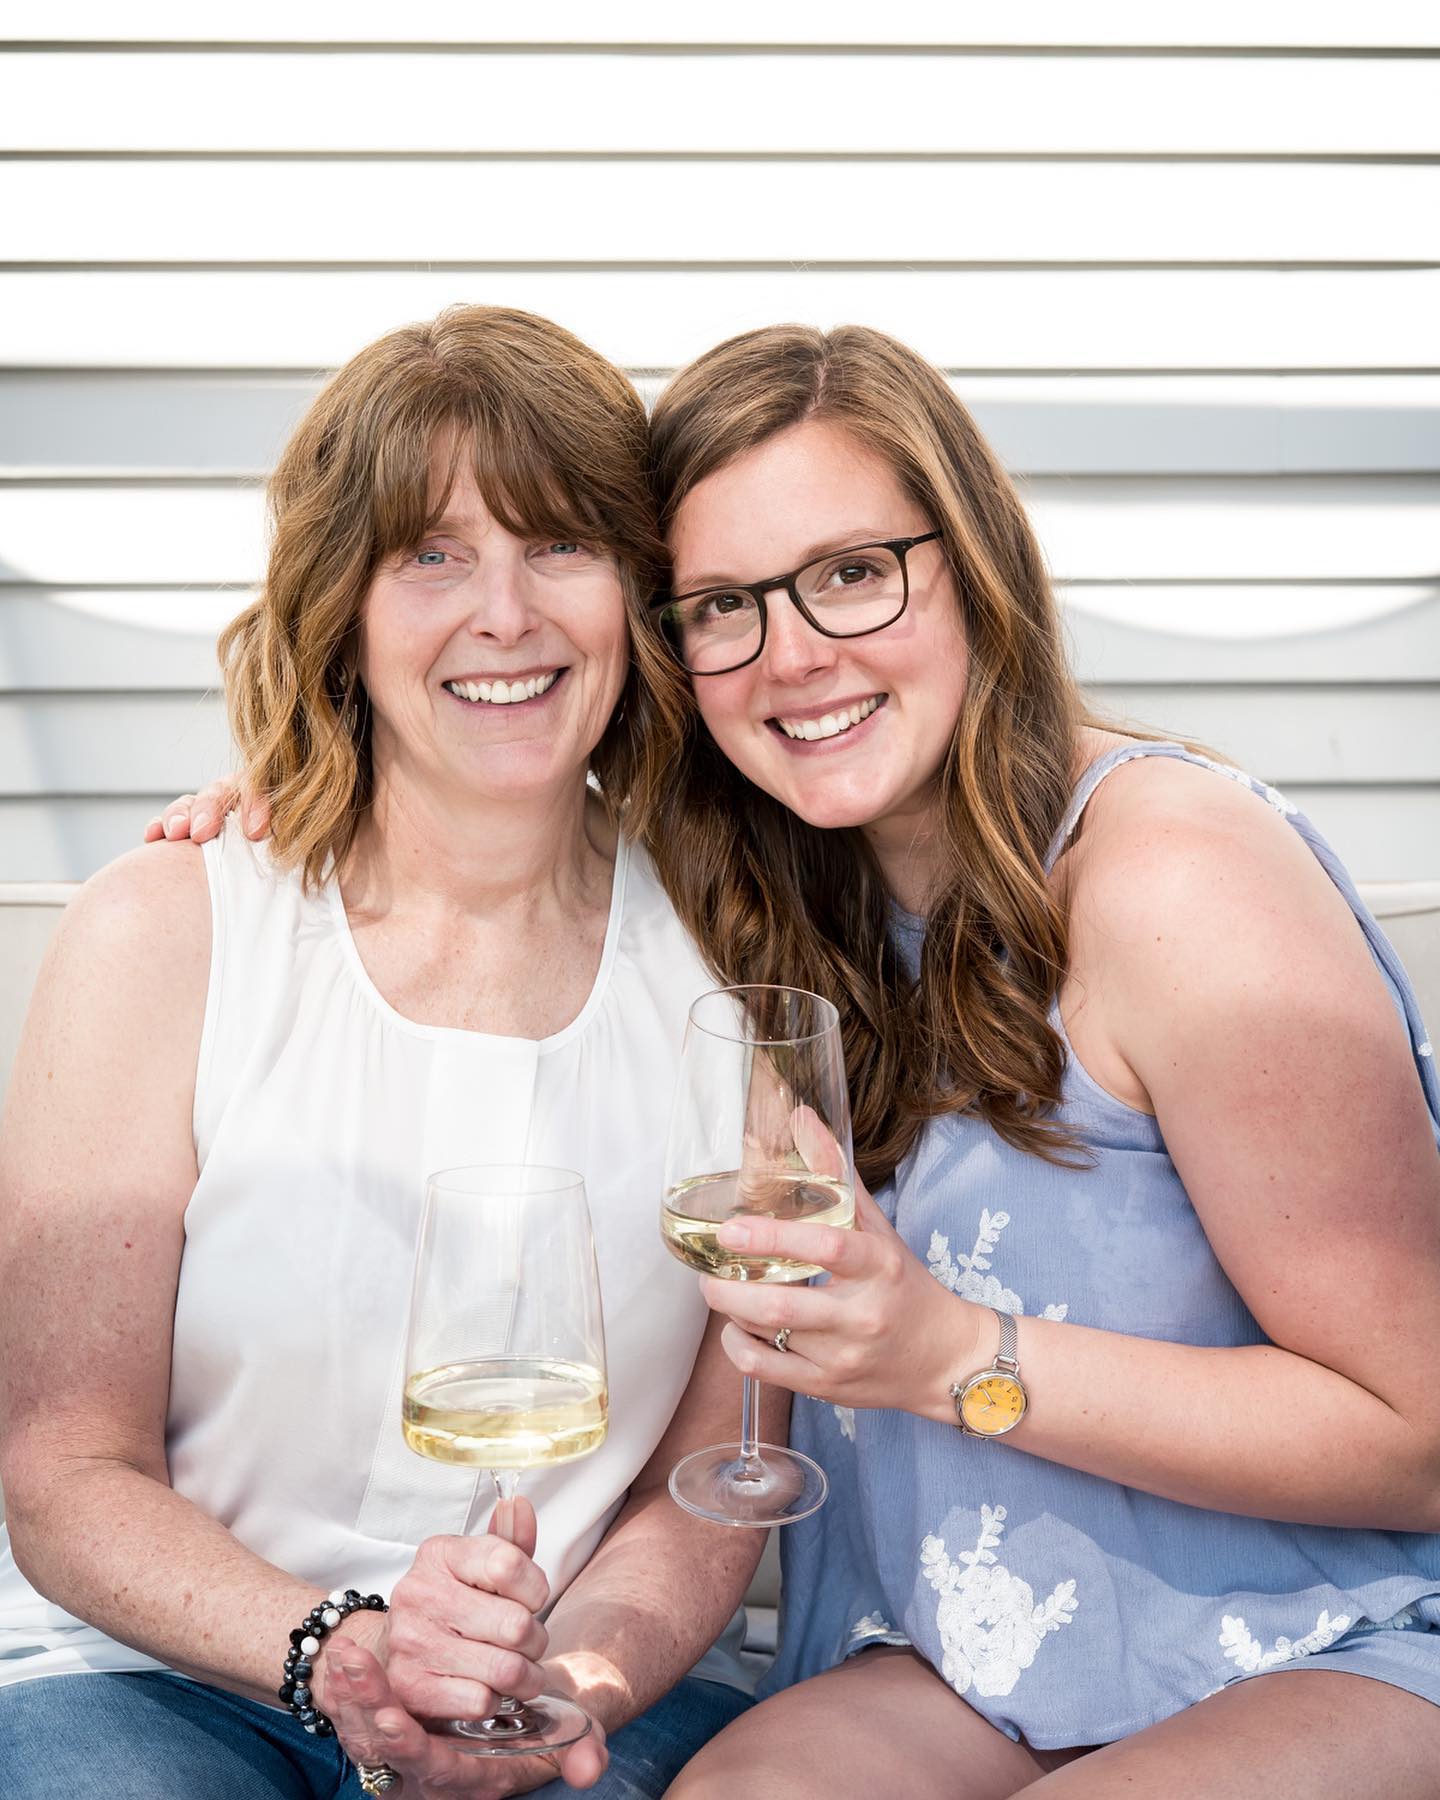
1091, 779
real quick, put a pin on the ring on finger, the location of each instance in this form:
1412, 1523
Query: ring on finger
377, 1778
781, 1339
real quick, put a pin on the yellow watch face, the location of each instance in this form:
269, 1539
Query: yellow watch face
991, 1404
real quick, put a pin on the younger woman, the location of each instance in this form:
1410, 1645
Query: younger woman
1155, 1119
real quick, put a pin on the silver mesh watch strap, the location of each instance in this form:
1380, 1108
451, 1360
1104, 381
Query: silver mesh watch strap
1005, 1357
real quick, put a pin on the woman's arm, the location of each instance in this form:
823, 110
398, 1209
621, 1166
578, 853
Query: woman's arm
97, 1164
663, 1584
1229, 979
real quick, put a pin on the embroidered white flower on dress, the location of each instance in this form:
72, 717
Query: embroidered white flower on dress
846, 1416
967, 1276
1245, 1652
990, 1627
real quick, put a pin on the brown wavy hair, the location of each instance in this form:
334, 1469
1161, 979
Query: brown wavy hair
772, 899
557, 441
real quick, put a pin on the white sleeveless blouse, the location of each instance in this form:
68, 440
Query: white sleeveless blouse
319, 1112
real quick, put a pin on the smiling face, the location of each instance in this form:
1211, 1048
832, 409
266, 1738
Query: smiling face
806, 491
492, 662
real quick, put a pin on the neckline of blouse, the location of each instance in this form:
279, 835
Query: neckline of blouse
460, 1033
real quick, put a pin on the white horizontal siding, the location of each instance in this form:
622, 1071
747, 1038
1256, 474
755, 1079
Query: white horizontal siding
1182, 262
1044, 24
738, 213
48, 743
80, 642
1303, 320
1321, 736
1280, 632
814, 105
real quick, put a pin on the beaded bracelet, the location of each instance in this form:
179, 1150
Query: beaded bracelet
305, 1642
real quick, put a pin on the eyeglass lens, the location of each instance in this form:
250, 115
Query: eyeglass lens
847, 593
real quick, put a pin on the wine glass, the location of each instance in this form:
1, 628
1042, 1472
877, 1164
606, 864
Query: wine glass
505, 1361
761, 1124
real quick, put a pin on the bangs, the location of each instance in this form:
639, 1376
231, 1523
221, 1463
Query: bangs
531, 484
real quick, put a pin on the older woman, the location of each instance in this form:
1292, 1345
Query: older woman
240, 1065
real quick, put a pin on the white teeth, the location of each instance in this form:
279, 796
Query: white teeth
504, 693
832, 724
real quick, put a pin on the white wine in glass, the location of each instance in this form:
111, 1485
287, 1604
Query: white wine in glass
506, 1361
760, 1126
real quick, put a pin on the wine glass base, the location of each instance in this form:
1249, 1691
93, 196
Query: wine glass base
546, 1723
777, 1488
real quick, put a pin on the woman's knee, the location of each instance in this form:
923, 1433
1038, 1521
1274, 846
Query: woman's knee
762, 1752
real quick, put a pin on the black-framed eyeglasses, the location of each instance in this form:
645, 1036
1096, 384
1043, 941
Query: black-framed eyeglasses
843, 594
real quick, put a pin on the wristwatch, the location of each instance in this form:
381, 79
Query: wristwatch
993, 1402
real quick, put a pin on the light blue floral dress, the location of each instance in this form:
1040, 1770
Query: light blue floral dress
1065, 1608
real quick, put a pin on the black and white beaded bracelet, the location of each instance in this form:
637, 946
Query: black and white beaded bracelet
305, 1642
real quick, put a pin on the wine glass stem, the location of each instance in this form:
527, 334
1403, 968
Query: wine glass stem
503, 1526
750, 1431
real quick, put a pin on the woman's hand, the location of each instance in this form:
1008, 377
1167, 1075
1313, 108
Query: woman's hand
375, 1728
461, 1631
881, 1332
200, 816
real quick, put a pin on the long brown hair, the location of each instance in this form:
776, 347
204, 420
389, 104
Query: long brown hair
770, 898
557, 440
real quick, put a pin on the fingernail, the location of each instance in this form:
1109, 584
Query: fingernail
173, 824
353, 1669
389, 1729
199, 822
734, 1235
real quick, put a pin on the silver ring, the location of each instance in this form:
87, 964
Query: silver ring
781, 1339
377, 1778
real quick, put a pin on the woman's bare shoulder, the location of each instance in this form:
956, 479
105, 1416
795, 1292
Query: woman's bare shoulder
102, 1091
1183, 869
149, 910
125, 975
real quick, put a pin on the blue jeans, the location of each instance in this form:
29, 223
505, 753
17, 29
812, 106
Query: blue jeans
149, 1736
